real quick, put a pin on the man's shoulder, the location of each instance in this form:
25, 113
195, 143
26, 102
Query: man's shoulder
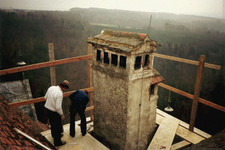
55, 89
52, 87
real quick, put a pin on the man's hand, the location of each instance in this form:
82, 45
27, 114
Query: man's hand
62, 117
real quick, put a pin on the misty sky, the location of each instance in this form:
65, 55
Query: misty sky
211, 8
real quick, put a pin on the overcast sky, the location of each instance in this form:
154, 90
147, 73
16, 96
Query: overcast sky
212, 8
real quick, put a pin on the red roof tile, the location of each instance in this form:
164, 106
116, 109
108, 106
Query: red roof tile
157, 79
11, 118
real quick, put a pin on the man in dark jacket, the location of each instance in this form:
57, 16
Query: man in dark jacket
79, 100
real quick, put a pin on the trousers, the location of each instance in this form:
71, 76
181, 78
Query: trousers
83, 126
56, 125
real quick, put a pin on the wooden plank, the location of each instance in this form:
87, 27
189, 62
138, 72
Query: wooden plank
189, 135
90, 108
183, 132
44, 64
52, 58
41, 99
161, 114
90, 82
188, 61
190, 96
32, 139
165, 134
197, 92
180, 145
79, 142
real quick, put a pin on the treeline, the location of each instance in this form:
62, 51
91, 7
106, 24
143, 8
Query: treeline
25, 36
29, 32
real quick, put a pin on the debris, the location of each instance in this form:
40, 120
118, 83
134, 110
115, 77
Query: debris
162, 147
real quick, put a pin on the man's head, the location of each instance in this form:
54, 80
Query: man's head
65, 85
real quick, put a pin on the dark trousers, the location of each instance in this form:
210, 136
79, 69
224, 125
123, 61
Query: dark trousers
56, 126
72, 121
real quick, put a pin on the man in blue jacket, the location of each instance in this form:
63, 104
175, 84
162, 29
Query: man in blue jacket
79, 100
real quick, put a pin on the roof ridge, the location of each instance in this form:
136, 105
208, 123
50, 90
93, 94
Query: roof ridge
140, 36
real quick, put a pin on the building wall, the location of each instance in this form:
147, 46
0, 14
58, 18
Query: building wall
110, 101
140, 115
125, 113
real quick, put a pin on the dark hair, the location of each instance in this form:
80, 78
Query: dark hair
86, 92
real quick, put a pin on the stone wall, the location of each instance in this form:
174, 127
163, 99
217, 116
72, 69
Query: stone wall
110, 101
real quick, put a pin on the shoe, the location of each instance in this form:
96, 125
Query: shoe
72, 135
61, 143
83, 134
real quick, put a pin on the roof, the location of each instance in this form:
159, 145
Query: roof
157, 79
121, 41
11, 118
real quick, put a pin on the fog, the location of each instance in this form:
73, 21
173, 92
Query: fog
210, 8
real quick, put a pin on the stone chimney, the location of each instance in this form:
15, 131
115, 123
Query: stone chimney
125, 89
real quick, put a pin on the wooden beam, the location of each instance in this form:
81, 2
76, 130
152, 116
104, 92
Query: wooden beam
32, 139
51, 54
44, 64
42, 99
90, 108
189, 135
190, 96
188, 61
197, 92
179, 145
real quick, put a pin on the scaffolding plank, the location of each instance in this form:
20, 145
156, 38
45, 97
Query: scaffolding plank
188, 135
190, 96
180, 144
188, 61
44, 64
182, 123
164, 135
41, 99
183, 132
78, 142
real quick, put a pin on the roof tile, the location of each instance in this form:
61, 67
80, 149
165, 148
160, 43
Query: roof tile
17, 142
121, 41
11, 118
157, 79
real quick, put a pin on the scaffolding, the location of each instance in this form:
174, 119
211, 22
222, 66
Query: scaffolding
188, 132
